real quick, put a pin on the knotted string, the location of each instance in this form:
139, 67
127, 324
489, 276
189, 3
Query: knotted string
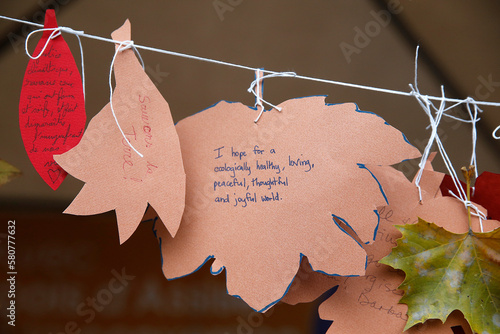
256, 90
122, 46
56, 32
428, 106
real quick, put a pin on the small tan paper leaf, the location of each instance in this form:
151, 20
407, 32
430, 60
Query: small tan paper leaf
361, 302
402, 196
308, 285
261, 196
116, 177
377, 298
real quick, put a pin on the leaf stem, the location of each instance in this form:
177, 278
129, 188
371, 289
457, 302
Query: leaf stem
468, 174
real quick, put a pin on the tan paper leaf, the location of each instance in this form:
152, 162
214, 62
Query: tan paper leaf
371, 303
116, 177
357, 303
261, 196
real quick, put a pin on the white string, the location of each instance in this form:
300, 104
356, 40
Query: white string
258, 99
55, 33
83, 65
459, 119
124, 45
434, 137
423, 100
427, 105
495, 132
333, 82
468, 204
255, 89
462, 194
474, 118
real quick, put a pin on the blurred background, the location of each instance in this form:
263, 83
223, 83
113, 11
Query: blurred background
64, 262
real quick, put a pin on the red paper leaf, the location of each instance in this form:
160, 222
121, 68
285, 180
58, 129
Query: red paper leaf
51, 107
447, 185
486, 193
116, 177
289, 173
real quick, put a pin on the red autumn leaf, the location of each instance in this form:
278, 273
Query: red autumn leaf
486, 193
51, 107
261, 196
116, 177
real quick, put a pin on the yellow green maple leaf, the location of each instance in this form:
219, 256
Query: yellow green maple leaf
446, 272
7, 172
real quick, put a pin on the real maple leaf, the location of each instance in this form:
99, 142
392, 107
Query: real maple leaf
116, 178
7, 172
486, 192
361, 302
446, 272
321, 150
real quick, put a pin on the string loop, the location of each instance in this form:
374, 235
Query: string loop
428, 106
494, 134
122, 46
56, 32
477, 213
257, 90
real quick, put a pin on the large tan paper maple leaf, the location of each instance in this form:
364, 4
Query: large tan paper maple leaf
260, 196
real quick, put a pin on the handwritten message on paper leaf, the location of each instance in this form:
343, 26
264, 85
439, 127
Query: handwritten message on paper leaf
260, 196
361, 302
248, 188
51, 108
116, 177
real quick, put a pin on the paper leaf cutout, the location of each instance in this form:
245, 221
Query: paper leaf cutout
308, 285
446, 272
117, 178
486, 193
261, 196
52, 107
403, 198
361, 302
7, 172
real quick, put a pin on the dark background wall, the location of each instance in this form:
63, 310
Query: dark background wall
65, 259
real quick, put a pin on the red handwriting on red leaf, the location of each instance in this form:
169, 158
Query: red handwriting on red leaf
260, 196
116, 177
486, 192
51, 108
